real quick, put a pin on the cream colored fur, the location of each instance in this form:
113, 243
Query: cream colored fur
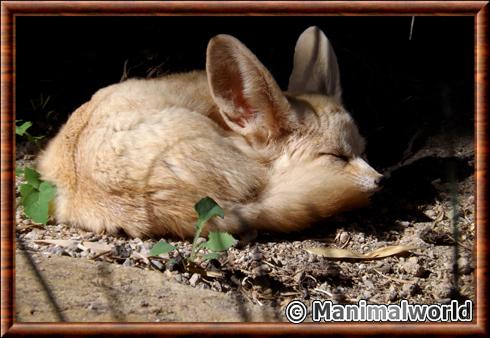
141, 153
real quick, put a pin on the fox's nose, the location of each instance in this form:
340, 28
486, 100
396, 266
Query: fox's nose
380, 181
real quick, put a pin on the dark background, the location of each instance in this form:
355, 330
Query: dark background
398, 89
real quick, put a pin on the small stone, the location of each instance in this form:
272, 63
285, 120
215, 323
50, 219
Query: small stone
168, 274
142, 249
97, 307
312, 258
137, 241
235, 281
87, 236
404, 224
384, 267
444, 301
73, 252
431, 236
298, 277
261, 270
128, 262
445, 290
155, 309
413, 260
56, 250
411, 289
122, 251
144, 303
157, 264
257, 256
369, 284
393, 294
464, 266
430, 213
344, 237
367, 295
33, 235
449, 266
217, 286
174, 263
412, 267
194, 279
338, 296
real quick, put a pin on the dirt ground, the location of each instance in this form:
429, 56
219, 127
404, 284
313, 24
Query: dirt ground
88, 291
428, 204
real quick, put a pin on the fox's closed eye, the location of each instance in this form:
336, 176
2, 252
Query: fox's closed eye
337, 156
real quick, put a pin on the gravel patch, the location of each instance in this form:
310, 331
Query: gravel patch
428, 203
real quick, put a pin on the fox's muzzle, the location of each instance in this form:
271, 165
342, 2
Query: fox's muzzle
367, 177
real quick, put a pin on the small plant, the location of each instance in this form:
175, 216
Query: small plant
39, 105
22, 131
36, 195
217, 242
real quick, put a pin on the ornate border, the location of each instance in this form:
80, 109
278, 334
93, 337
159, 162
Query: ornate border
10, 9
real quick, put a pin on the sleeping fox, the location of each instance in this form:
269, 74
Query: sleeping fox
140, 154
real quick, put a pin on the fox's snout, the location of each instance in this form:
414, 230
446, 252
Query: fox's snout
369, 180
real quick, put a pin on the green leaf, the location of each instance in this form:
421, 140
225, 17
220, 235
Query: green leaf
36, 208
207, 208
36, 196
38, 138
33, 139
47, 192
19, 171
20, 130
25, 190
219, 241
161, 248
211, 255
32, 177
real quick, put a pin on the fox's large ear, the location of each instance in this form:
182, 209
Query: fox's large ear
315, 67
249, 98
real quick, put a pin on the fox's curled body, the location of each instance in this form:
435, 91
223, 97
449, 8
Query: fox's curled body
140, 154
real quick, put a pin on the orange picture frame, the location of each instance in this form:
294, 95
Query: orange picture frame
11, 9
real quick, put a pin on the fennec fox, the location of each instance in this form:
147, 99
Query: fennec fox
141, 153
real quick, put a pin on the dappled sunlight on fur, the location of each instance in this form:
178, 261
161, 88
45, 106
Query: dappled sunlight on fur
140, 154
